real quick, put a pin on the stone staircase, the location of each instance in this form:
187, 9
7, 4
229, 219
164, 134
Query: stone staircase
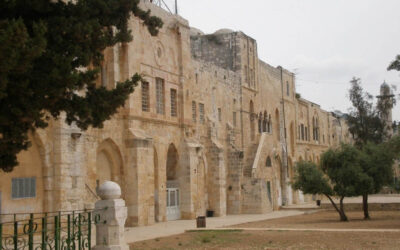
248, 166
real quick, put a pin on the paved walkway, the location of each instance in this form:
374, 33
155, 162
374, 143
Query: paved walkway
134, 234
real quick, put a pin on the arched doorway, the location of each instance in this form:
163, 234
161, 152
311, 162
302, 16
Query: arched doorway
173, 192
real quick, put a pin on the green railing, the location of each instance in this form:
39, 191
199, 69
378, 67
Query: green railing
52, 231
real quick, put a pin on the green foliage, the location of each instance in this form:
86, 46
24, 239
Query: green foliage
377, 162
343, 166
50, 57
310, 179
395, 65
365, 123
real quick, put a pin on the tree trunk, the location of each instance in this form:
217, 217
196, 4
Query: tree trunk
340, 210
365, 207
343, 216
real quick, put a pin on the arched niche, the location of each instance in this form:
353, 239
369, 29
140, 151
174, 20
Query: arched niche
109, 165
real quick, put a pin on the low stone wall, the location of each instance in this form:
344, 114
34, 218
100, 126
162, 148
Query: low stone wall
371, 206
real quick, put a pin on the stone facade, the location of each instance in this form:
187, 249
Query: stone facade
213, 127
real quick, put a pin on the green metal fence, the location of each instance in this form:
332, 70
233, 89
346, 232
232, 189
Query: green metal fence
52, 231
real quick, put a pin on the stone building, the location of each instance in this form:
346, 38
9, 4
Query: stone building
212, 128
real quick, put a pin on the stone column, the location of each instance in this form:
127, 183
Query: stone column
112, 210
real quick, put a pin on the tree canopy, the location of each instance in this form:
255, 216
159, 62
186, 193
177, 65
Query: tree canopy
50, 57
339, 174
395, 65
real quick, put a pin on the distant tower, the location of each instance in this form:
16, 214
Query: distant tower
385, 97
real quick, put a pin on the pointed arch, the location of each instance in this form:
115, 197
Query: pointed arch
268, 162
265, 121
260, 122
172, 163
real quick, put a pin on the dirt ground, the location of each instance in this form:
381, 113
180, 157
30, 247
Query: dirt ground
330, 219
274, 240
283, 239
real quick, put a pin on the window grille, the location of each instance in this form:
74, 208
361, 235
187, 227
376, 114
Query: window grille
201, 112
160, 95
145, 97
23, 188
173, 102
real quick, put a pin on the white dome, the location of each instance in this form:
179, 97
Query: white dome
223, 31
196, 32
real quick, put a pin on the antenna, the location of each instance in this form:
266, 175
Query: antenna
164, 5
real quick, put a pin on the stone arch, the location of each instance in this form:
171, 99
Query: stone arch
277, 127
173, 184
172, 163
251, 117
109, 164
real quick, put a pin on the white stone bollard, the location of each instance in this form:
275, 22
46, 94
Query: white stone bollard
113, 213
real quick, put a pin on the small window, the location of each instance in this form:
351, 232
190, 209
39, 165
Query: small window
201, 112
219, 114
268, 162
145, 97
287, 88
173, 103
194, 111
160, 95
197, 78
234, 119
23, 188
269, 191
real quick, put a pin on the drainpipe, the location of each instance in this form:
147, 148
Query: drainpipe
285, 166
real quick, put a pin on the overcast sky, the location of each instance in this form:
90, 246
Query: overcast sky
325, 42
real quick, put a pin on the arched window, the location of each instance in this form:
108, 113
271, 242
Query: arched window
269, 124
265, 121
268, 162
260, 125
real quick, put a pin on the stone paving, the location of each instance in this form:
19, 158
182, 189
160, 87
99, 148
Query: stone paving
134, 234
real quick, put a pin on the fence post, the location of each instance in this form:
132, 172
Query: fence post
113, 213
